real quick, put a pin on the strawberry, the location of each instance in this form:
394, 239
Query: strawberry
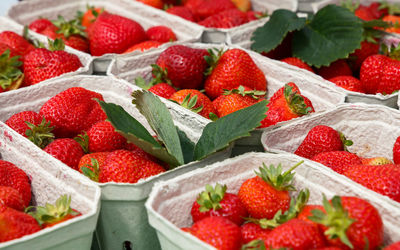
217, 202
184, 66
12, 176
163, 89
267, 193
390, 80
10, 197
143, 154
219, 232
153, 3
252, 231
392, 19
306, 212
123, 166
396, 151
280, 92
161, 34
16, 42
367, 49
72, 111
336, 68
51, 215
364, 13
194, 100
40, 24
226, 19
114, 34
382, 179
297, 62
33, 126
348, 82
295, 234
90, 16
205, 8
360, 224
142, 46
338, 161
371, 72
376, 161
182, 11
11, 76
230, 69
66, 150
103, 138
320, 139
91, 164
41, 64
15, 224
393, 246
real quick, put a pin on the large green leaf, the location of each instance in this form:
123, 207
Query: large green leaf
187, 146
218, 134
333, 33
160, 120
270, 35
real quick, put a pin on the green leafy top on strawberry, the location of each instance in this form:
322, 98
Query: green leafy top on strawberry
255, 245
276, 178
57, 44
346, 143
296, 101
210, 198
9, 69
69, 28
92, 170
255, 94
83, 140
40, 134
212, 59
190, 103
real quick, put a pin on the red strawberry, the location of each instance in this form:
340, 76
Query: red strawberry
103, 138
306, 212
143, 154
230, 70
297, 62
10, 197
194, 100
371, 72
361, 226
217, 202
74, 39
161, 34
364, 13
295, 234
396, 151
320, 139
348, 82
393, 246
336, 68
280, 92
184, 66
219, 232
11, 75
163, 89
126, 167
252, 231
390, 80
225, 19
376, 161
40, 24
378, 10
91, 164
367, 49
382, 179
338, 161
15, 224
66, 150
143, 46
183, 12
12, 176
205, 8
73, 111
114, 34
16, 42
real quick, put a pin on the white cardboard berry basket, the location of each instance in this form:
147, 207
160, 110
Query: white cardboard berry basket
123, 218
28, 11
7, 24
49, 180
169, 203
277, 73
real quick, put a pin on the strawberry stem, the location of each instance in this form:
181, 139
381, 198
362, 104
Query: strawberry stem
211, 197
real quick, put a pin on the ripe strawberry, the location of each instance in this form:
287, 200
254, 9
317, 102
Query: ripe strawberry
217, 202
393, 246
103, 138
153, 3
338, 161
90, 16
371, 72
91, 164
143, 154
396, 151
252, 231
219, 232
390, 80
10, 197
364, 13
51, 215
114, 34
205, 8
16, 42
295, 234
194, 100
267, 193
336, 68
348, 82
376, 161
297, 62
360, 224
225, 19
163, 89
320, 139
123, 166
280, 92
66, 150
11, 75
161, 34
183, 12
15, 224
40, 24
230, 69
73, 111
143, 46
382, 179
306, 212
184, 66
12, 176
392, 19
367, 49
41, 64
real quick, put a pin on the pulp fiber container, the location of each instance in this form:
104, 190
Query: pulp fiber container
123, 219
49, 180
277, 73
28, 11
170, 202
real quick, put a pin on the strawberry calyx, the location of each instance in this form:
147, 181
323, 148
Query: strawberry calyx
83, 140
69, 28
91, 170
295, 101
9, 69
211, 197
255, 245
35, 42
40, 134
212, 59
160, 75
255, 94
336, 219
57, 44
190, 103
346, 143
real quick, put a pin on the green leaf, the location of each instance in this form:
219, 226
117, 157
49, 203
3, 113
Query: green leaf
187, 146
269, 36
333, 33
160, 120
218, 134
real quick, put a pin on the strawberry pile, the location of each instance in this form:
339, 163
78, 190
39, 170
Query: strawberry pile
23, 64
210, 13
263, 215
17, 218
99, 32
